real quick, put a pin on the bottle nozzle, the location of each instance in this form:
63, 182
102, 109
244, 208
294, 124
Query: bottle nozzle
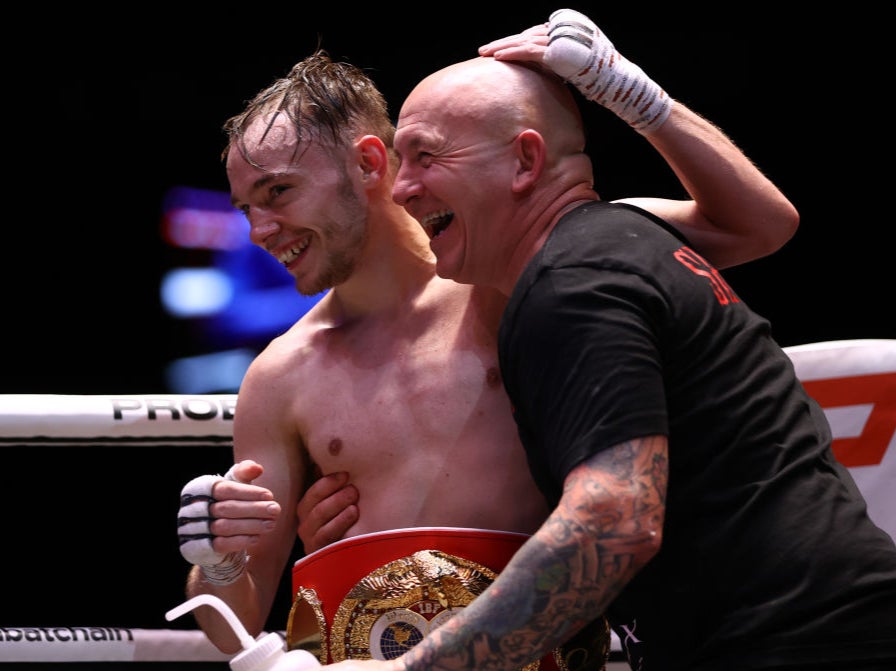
257, 655
218, 604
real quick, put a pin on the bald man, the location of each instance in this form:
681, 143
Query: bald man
695, 497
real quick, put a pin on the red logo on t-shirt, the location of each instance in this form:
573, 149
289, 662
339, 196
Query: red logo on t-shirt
700, 266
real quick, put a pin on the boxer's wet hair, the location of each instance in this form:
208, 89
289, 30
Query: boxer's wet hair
327, 101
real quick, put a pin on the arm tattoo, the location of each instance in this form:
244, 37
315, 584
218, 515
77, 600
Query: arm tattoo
607, 526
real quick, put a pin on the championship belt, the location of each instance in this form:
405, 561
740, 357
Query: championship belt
377, 595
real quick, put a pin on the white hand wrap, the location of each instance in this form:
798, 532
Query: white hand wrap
194, 532
580, 53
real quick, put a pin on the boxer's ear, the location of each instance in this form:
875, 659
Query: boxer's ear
373, 159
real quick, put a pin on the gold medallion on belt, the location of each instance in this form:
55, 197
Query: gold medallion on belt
394, 606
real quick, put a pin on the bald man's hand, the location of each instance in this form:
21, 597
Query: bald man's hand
574, 48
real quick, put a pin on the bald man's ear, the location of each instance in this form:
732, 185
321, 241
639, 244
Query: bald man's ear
531, 154
373, 160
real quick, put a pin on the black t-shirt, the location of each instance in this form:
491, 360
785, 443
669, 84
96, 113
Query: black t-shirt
618, 330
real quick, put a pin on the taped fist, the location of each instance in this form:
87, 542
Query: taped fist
582, 55
229, 513
194, 521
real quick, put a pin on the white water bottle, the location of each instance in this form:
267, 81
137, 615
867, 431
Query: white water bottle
265, 654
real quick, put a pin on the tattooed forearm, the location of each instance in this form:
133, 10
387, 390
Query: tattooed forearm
524, 614
608, 525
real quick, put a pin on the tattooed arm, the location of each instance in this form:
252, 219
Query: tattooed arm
607, 526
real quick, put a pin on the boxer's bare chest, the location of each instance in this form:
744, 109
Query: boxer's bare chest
400, 393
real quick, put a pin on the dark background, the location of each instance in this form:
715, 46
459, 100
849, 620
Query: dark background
107, 111
115, 111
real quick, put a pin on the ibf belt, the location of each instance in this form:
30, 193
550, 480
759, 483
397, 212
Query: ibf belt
377, 595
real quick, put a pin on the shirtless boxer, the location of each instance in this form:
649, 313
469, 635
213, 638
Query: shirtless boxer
391, 381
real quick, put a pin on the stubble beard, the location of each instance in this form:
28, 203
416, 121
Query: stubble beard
345, 240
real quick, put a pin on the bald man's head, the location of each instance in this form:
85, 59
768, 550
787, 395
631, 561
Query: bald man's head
491, 153
505, 97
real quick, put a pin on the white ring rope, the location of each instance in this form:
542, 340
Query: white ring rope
106, 644
162, 419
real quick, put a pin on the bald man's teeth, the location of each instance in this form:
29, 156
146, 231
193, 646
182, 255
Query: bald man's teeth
436, 222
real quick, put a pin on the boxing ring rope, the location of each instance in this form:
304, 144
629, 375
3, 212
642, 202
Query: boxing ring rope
105, 644
163, 419
854, 381
42, 420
